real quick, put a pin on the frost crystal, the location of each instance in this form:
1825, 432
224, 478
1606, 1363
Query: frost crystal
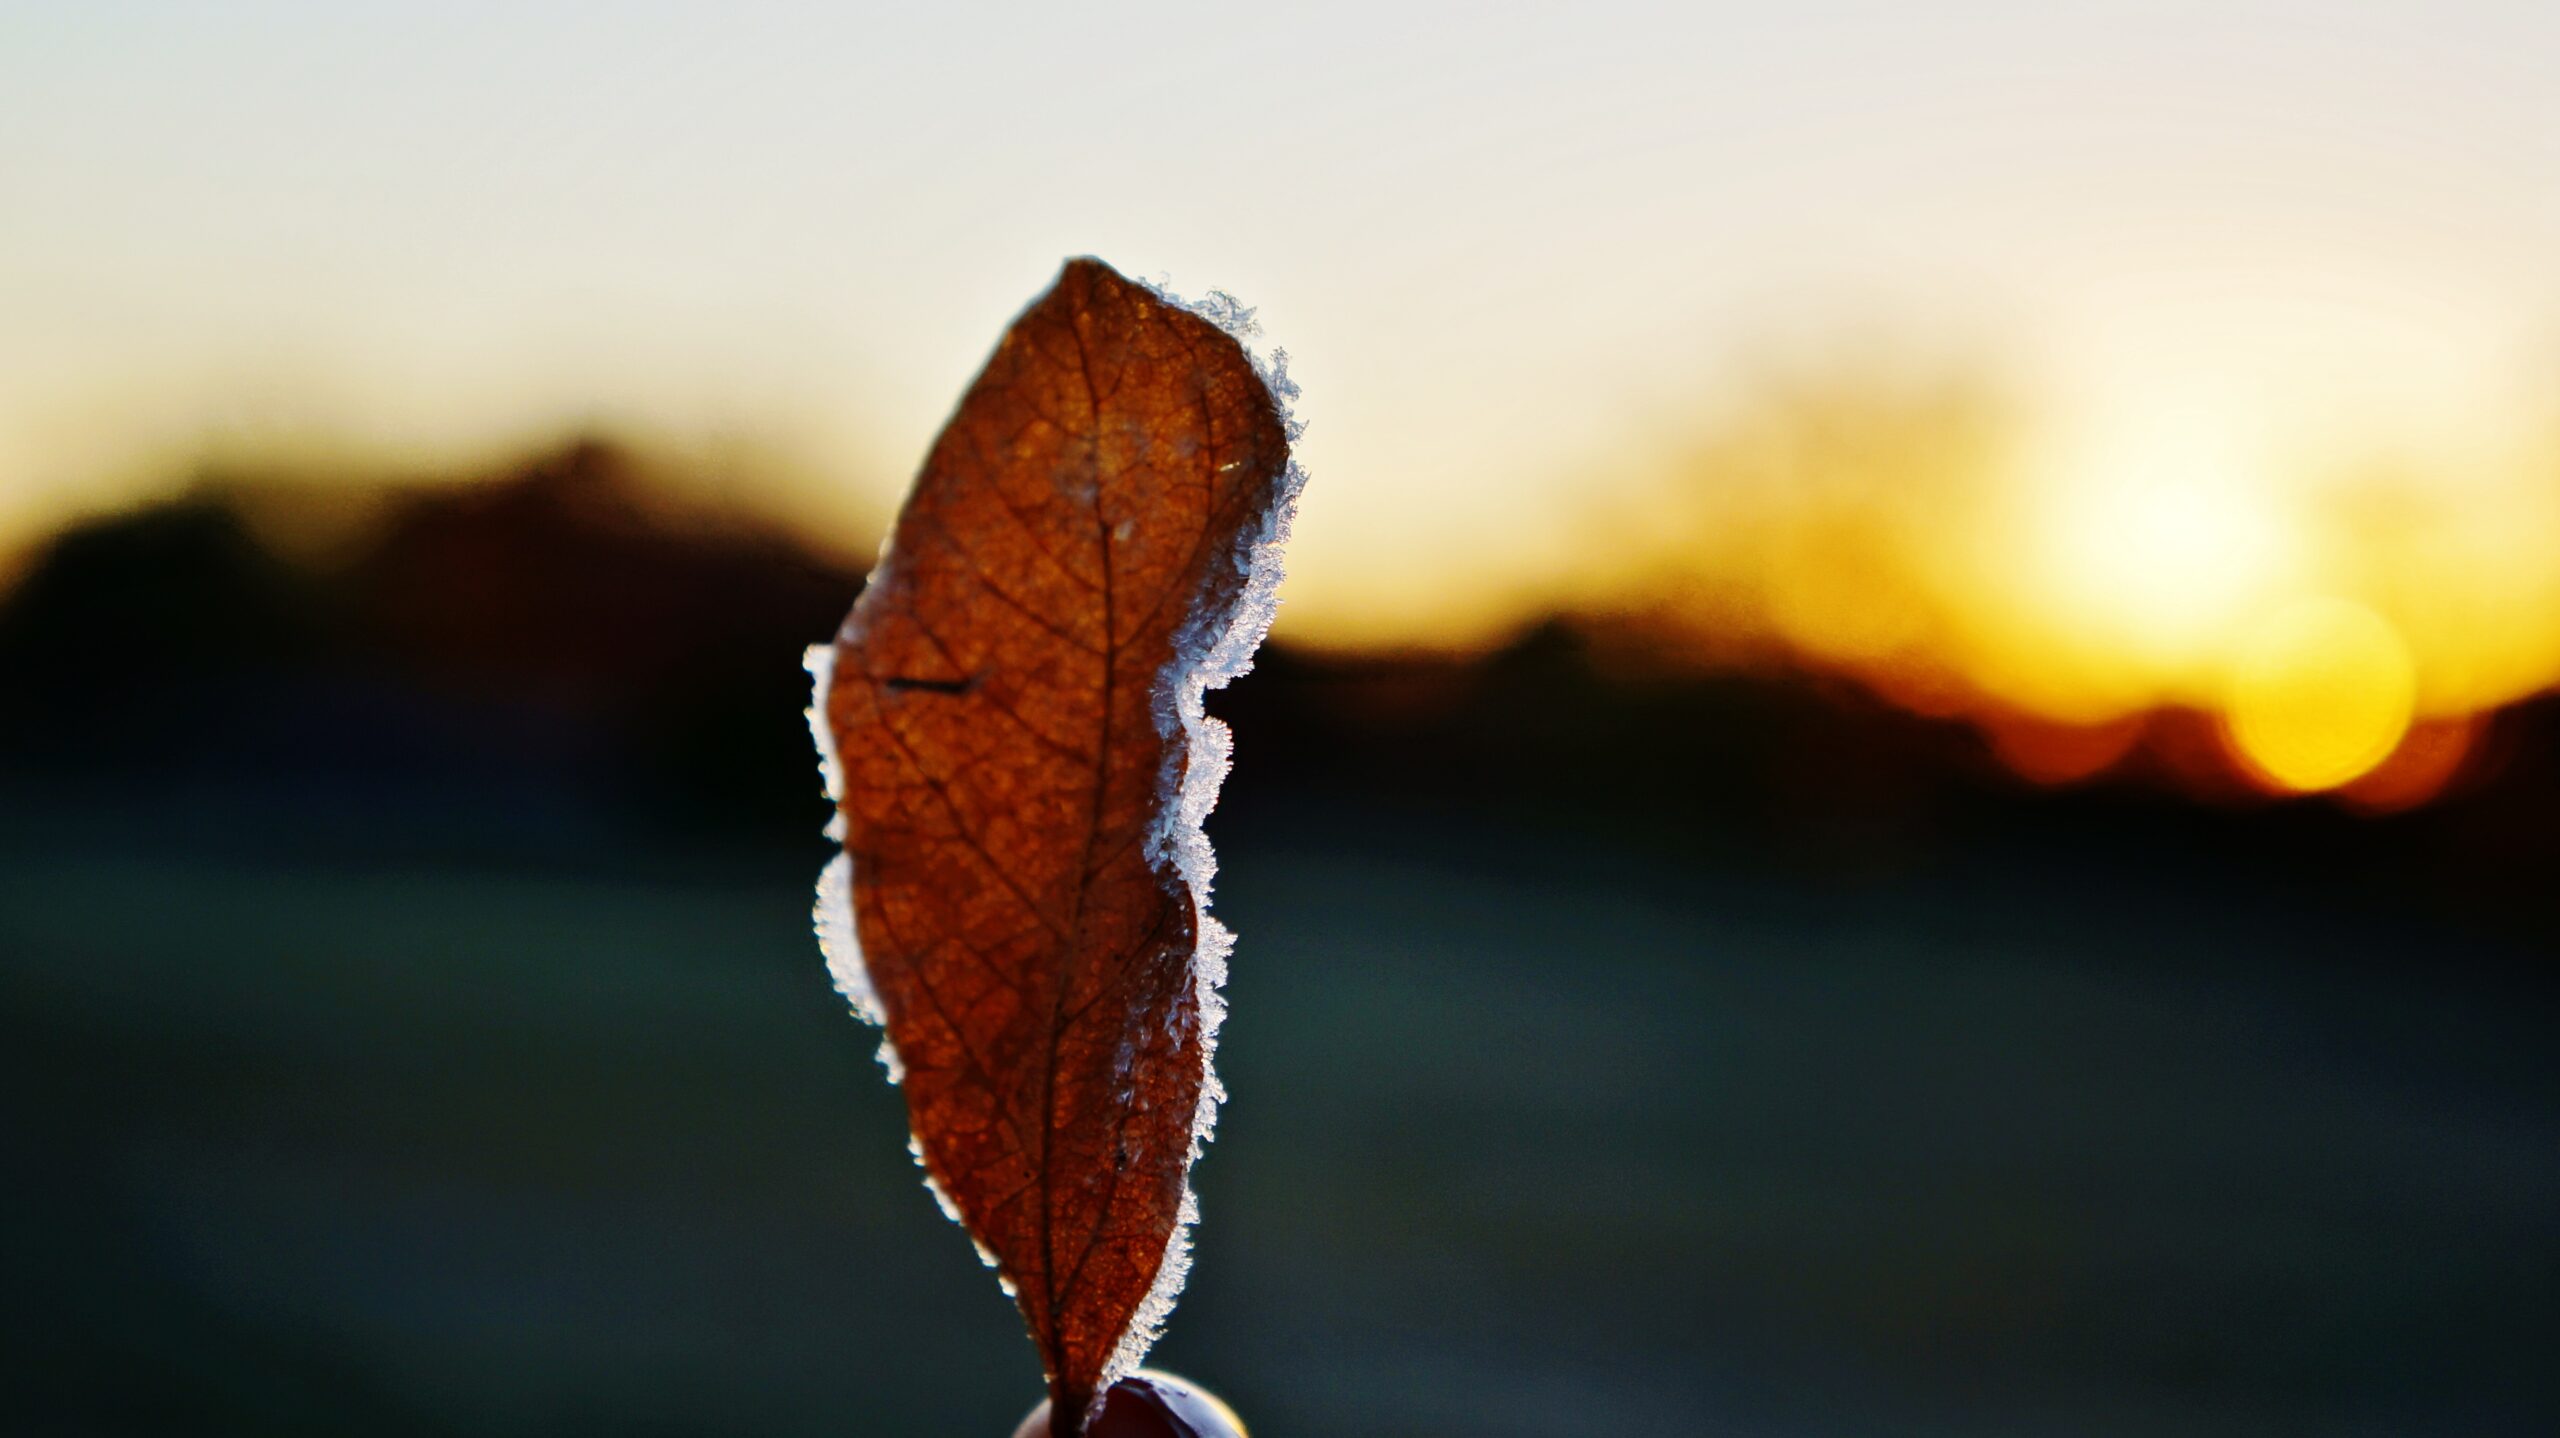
1214, 645
832, 913
820, 661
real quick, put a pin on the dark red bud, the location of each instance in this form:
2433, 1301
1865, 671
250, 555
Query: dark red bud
1148, 1404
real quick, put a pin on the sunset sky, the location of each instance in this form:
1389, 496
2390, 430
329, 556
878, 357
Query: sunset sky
2260, 302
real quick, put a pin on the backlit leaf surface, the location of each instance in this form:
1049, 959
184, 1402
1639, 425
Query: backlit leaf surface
1014, 735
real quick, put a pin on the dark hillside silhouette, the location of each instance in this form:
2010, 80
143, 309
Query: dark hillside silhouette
564, 634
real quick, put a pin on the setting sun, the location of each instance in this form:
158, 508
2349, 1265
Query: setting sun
2153, 541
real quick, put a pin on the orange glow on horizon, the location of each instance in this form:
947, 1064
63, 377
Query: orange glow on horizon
2057, 754
2431, 756
2342, 629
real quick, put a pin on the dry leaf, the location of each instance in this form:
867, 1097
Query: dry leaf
1016, 741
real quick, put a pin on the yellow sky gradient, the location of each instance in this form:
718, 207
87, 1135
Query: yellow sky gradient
2222, 265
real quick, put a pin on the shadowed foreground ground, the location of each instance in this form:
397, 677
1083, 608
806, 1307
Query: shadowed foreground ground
331, 1131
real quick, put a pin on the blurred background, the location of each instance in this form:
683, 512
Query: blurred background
1906, 785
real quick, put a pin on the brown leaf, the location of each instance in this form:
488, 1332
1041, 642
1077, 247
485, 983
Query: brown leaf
1024, 763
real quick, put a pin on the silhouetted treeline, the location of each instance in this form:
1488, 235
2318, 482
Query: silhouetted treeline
546, 631
562, 640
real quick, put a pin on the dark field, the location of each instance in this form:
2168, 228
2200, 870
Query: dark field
1526, 1139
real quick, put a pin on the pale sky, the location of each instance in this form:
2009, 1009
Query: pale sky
1510, 249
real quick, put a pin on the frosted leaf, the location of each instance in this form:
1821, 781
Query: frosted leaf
968, 571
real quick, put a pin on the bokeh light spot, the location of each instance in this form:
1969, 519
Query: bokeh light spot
2321, 692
